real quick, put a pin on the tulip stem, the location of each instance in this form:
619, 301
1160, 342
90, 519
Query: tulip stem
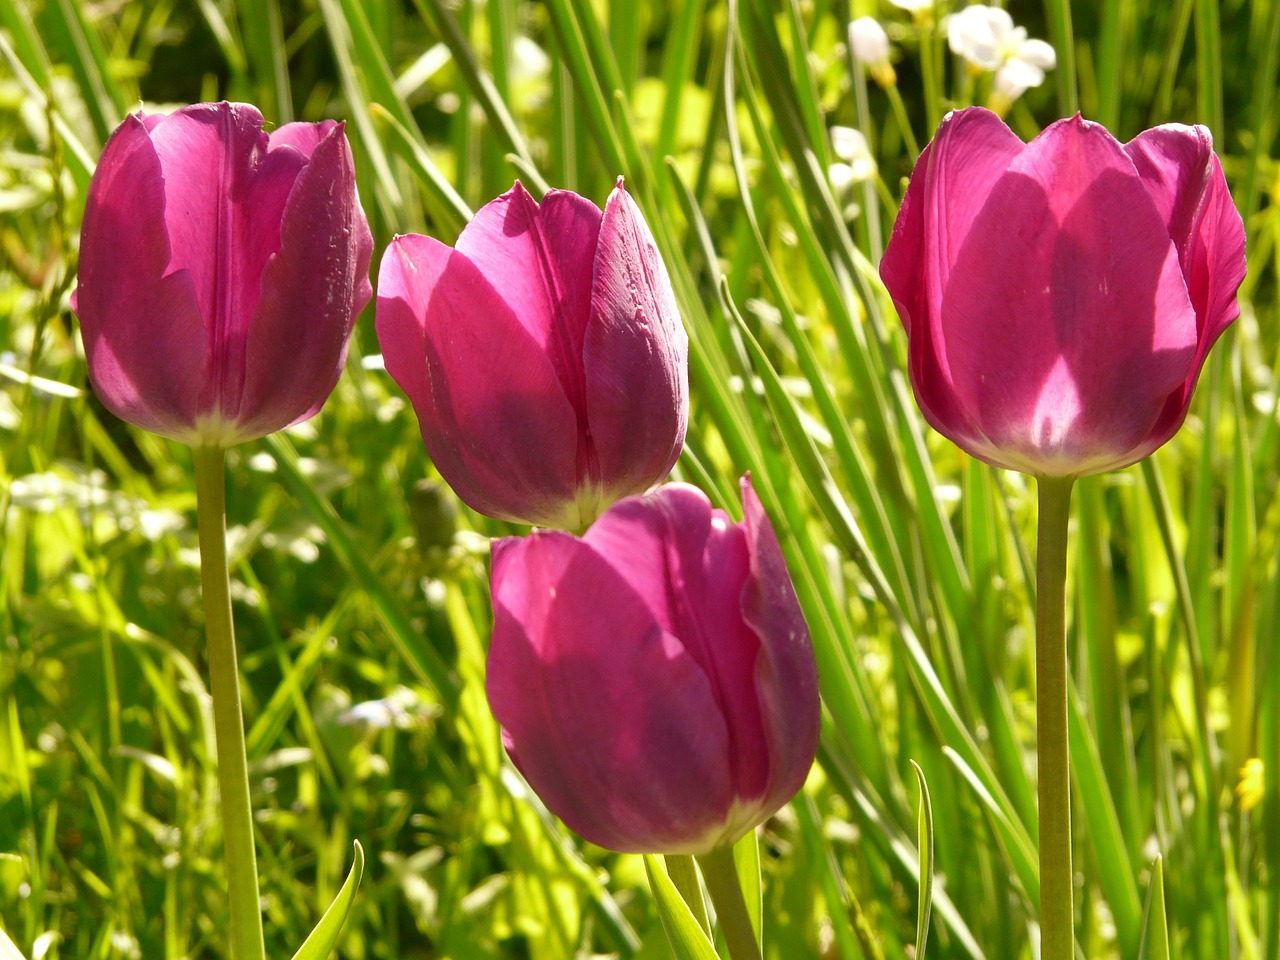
224, 684
684, 876
721, 873
1054, 781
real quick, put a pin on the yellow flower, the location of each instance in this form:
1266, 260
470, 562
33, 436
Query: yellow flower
1252, 787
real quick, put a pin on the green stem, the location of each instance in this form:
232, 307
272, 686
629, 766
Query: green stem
228, 725
926, 22
721, 874
904, 122
1056, 909
684, 875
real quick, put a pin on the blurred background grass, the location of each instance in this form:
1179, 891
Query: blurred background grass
360, 582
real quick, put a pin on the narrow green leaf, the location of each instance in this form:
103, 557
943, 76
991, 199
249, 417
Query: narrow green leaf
450, 211
263, 34
746, 856
1155, 929
80, 159
1017, 844
483, 88
1209, 64
102, 97
925, 843
686, 937
679, 55
424, 658
1058, 13
1103, 827
933, 697
320, 943
573, 46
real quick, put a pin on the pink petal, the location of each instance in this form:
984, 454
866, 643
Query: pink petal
493, 414
312, 289
623, 739
1185, 181
143, 333
206, 152
786, 676
1066, 327
636, 355
539, 258
689, 563
303, 137
951, 182
224, 198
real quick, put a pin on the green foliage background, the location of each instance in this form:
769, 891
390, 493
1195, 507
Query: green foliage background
360, 581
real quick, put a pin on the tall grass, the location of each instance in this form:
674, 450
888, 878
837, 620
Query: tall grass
358, 577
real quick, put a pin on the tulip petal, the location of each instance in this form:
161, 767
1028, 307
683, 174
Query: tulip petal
493, 414
786, 676
303, 137
948, 189
312, 290
146, 372
225, 195
623, 740
206, 152
538, 257
688, 562
637, 391
1185, 181
1066, 327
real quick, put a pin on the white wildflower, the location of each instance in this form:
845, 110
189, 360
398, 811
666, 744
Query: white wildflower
870, 45
988, 40
857, 164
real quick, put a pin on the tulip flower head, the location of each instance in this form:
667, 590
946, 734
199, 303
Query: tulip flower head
221, 270
654, 678
543, 353
1060, 296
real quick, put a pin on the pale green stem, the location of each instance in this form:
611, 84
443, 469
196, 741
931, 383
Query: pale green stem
904, 122
927, 24
228, 725
684, 875
1056, 910
721, 874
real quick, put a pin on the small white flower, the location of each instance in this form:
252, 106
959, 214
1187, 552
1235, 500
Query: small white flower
988, 40
856, 164
870, 45
1017, 75
977, 33
868, 41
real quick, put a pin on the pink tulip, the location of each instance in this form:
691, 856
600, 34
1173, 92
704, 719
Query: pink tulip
543, 354
221, 270
654, 678
1060, 296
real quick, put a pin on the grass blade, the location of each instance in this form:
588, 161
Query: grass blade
320, 943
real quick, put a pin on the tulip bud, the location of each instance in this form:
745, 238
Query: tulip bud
654, 678
221, 270
544, 355
1060, 296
